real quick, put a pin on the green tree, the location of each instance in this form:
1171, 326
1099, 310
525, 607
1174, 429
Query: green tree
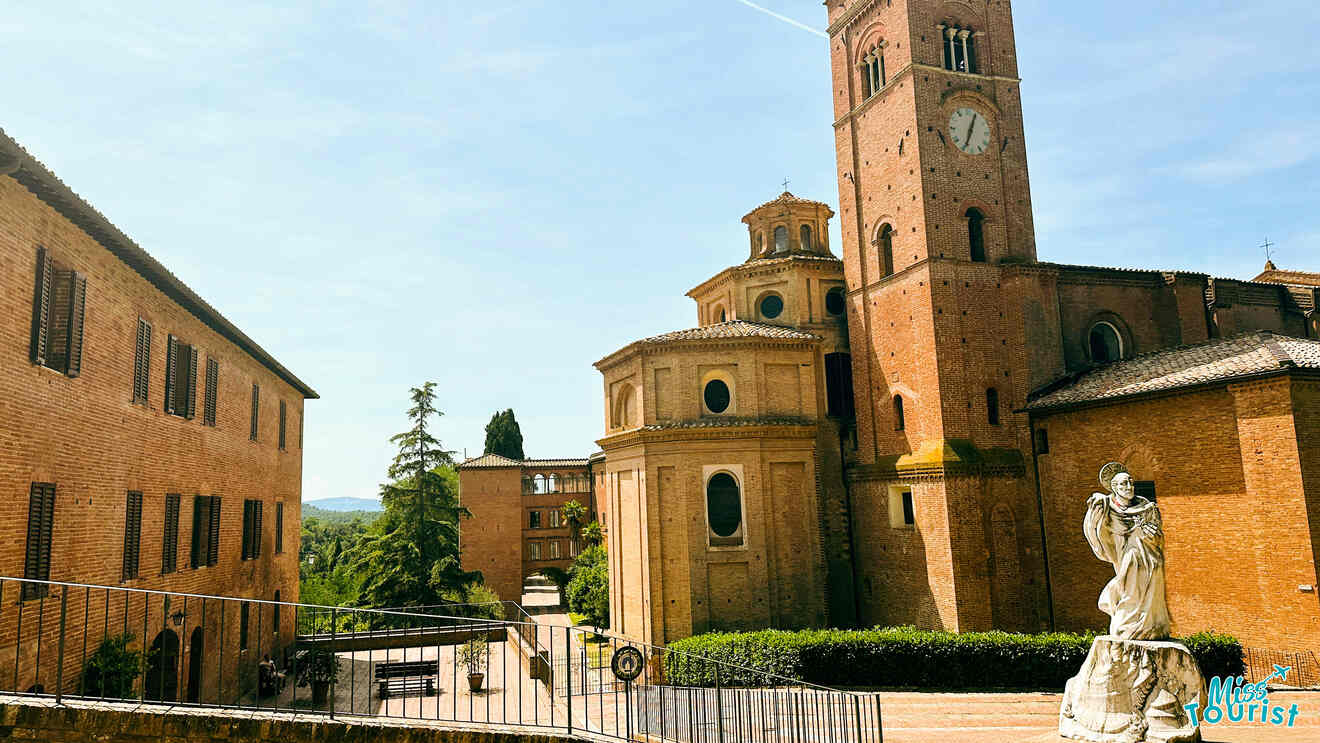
591, 534
575, 514
504, 437
409, 557
588, 590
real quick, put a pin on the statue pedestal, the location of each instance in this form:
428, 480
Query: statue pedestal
1133, 690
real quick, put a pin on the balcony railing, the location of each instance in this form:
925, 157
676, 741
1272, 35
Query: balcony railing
72, 640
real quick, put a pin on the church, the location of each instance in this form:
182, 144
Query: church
905, 428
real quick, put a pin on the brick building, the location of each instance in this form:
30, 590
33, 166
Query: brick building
744, 486
518, 528
148, 443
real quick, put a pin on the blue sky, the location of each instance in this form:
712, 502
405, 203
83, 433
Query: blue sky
495, 195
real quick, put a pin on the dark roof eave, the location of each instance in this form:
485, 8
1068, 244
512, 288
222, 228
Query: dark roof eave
45, 185
1167, 392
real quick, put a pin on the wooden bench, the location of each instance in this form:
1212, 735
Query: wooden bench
412, 677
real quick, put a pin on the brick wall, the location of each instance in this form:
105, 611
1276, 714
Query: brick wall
491, 540
80, 722
87, 436
1237, 518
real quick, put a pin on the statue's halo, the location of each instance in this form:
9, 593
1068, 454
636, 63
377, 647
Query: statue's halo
1108, 472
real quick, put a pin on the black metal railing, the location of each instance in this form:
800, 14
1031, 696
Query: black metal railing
112, 643
1303, 667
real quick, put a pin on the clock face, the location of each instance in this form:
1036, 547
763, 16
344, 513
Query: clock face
970, 131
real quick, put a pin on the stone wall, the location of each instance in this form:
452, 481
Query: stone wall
43, 720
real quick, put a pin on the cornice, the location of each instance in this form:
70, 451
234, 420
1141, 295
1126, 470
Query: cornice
647, 435
639, 348
850, 16
813, 261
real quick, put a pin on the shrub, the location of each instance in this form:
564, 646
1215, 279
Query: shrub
900, 657
113, 668
588, 591
1218, 655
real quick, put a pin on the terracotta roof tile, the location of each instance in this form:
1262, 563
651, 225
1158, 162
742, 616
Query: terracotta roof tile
1219, 360
786, 198
1296, 278
732, 329
496, 461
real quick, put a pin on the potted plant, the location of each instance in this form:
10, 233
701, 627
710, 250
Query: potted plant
473, 655
318, 668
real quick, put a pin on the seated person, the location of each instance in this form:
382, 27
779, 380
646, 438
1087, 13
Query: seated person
270, 679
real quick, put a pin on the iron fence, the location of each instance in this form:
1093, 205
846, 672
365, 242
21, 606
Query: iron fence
426, 663
1303, 673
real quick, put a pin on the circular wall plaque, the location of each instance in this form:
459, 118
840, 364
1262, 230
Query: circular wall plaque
627, 663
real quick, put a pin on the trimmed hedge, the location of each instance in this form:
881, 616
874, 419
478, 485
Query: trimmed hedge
906, 657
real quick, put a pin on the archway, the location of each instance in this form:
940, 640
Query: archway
195, 656
162, 680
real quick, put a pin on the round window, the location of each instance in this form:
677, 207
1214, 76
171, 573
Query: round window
772, 306
717, 396
834, 302
723, 504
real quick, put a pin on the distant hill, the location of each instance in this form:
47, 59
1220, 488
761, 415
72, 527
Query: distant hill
344, 504
339, 517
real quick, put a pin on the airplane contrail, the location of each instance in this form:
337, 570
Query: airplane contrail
785, 19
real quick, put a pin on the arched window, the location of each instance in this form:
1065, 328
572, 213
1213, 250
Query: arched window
992, 406
899, 423
976, 234
538, 484
806, 237
873, 70
959, 49
1106, 343
724, 510
781, 239
554, 483
723, 316
623, 407
886, 242
760, 243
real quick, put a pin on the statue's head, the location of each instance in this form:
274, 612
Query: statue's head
1122, 486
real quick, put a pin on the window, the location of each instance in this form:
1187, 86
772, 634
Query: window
251, 529
976, 234
902, 512
806, 237
723, 315
772, 306
873, 70
1042, 441
838, 386
534, 520
279, 528
142, 361
992, 406
781, 239
212, 391
554, 549
243, 626
834, 303
1105, 343
283, 418
899, 422
205, 548
555, 518
886, 241
169, 551
256, 408
58, 304
180, 378
275, 625
1144, 489
132, 535
716, 396
533, 550
959, 49
724, 510
553, 482
40, 529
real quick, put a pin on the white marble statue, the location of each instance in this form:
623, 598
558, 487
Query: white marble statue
1125, 529
1136, 682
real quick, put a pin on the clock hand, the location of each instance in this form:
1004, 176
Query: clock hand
970, 127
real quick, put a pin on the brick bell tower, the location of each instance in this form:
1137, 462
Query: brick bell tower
935, 210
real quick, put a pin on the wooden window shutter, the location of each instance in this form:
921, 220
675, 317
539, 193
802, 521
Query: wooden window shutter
142, 361
283, 417
41, 522
191, 371
279, 528
132, 535
197, 551
169, 561
213, 544
256, 529
77, 307
212, 380
245, 551
41, 306
256, 408
171, 381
